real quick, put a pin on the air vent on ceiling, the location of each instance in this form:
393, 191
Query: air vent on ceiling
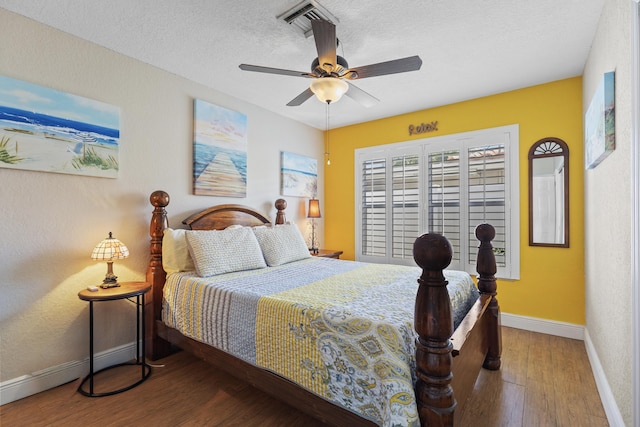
303, 13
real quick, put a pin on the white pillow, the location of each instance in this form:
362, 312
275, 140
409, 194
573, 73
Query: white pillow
224, 251
175, 254
281, 244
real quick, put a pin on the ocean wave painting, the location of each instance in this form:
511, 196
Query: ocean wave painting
219, 151
299, 175
43, 129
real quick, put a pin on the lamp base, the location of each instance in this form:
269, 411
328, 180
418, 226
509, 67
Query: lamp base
110, 280
109, 284
314, 248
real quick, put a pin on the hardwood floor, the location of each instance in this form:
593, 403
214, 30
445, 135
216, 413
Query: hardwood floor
544, 381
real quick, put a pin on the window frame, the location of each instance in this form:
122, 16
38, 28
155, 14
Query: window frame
507, 135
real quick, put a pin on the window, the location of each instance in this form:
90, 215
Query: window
445, 185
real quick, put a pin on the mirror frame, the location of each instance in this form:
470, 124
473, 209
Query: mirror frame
543, 148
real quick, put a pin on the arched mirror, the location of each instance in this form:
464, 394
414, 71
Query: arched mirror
549, 193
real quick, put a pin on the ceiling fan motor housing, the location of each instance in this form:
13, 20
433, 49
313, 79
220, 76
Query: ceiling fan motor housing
334, 71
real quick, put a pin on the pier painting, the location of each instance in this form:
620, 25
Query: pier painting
43, 129
299, 175
219, 151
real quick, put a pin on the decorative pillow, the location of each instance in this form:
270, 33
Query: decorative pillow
224, 251
281, 244
175, 254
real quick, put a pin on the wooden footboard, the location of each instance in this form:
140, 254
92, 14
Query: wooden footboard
447, 361
475, 343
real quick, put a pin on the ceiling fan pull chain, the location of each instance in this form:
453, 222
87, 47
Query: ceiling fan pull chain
326, 144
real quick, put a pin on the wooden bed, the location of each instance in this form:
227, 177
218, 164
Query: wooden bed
447, 361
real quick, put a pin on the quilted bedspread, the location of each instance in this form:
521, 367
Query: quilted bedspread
341, 329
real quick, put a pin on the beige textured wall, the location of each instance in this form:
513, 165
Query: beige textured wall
608, 211
51, 222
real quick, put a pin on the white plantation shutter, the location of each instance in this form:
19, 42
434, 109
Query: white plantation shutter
374, 209
486, 197
443, 199
388, 191
405, 201
445, 185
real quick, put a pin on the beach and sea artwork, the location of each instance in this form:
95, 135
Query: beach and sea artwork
599, 123
219, 151
42, 129
299, 175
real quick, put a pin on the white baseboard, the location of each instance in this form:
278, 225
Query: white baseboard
551, 327
606, 395
28, 385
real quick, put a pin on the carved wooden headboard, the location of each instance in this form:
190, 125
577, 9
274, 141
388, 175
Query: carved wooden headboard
215, 218
221, 216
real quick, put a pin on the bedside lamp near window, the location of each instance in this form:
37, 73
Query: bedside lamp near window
108, 250
314, 212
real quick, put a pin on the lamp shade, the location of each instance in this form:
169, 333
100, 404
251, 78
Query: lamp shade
109, 249
329, 89
314, 209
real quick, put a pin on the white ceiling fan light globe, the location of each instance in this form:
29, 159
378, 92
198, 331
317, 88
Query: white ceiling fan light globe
329, 89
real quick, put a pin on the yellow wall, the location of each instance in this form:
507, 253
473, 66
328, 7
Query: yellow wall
551, 284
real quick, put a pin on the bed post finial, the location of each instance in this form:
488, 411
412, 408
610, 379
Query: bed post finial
434, 324
159, 198
486, 260
486, 268
281, 205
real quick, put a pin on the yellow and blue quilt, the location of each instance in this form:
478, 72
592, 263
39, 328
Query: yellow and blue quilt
341, 329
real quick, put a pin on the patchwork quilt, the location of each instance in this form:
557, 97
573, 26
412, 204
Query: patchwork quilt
341, 329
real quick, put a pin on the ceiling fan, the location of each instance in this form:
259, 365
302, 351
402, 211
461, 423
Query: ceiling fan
332, 74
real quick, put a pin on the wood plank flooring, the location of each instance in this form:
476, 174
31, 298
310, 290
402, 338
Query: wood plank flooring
544, 381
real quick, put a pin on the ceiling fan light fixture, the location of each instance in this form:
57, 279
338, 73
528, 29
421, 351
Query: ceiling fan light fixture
329, 89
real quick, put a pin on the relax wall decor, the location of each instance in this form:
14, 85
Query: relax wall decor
599, 123
299, 175
219, 151
43, 129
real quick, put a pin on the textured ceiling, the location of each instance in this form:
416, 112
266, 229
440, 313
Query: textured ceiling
469, 48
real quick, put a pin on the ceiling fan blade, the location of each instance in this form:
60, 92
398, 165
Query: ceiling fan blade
410, 63
361, 97
298, 100
259, 69
324, 33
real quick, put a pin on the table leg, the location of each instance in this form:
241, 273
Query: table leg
143, 357
90, 347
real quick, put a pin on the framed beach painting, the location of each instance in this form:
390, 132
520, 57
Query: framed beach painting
599, 123
43, 129
219, 151
299, 175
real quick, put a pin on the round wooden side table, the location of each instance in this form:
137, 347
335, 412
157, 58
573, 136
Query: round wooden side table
126, 290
